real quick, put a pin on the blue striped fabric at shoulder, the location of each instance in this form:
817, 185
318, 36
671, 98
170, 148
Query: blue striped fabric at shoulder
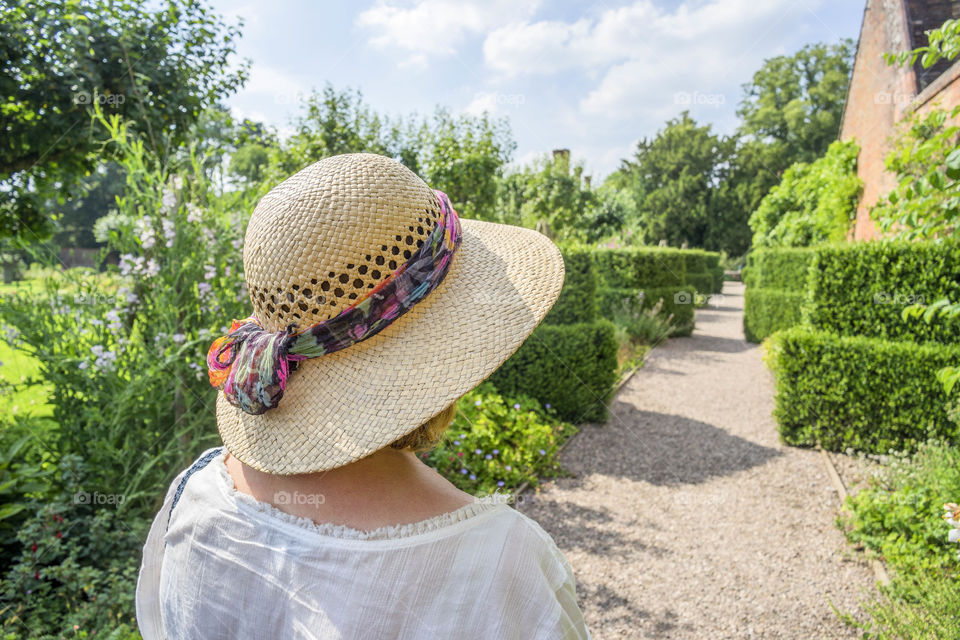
196, 466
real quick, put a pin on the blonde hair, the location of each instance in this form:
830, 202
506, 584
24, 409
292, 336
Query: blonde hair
429, 434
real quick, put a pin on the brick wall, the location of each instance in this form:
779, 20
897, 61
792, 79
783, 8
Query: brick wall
880, 94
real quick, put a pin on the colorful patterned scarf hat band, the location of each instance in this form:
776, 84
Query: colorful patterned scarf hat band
253, 364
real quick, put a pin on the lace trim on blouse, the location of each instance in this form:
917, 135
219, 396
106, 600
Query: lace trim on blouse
388, 532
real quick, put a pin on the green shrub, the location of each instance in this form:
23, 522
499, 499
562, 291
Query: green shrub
899, 514
813, 204
578, 298
696, 260
861, 289
783, 268
701, 282
866, 393
768, 310
677, 302
640, 268
718, 278
572, 367
497, 443
647, 326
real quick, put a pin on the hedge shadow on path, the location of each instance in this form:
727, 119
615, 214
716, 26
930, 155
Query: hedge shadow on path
660, 448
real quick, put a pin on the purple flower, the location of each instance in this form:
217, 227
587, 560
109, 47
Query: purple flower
456, 443
542, 452
478, 451
496, 451
488, 457
516, 406
464, 471
547, 405
500, 483
473, 477
508, 468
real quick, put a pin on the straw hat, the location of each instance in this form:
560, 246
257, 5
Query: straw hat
321, 239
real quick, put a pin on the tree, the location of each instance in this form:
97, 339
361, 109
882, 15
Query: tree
157, 69
673, 178
814, 203
797, 101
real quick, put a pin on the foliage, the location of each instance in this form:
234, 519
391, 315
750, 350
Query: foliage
925, 157
119, 351
553, 196
861, 289
461, 155
77, 564
784, 268
497, 443
675, 303
814, 203
796, 101
898, 515
671, 177
639, 268
578, 297
925, 204
157, 69
644, 325
869, 394
766, 311
572, 366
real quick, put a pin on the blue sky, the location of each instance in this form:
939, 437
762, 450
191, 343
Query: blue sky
593, 77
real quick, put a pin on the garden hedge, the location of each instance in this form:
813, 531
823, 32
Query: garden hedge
769, 310
573, 367
866, 393
861, 289
784, 268
676, 300
578, 298
776, 282
640, 268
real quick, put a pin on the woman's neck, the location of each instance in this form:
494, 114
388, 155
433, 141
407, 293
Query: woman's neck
386, 488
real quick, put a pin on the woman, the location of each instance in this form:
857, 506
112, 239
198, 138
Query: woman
374, 308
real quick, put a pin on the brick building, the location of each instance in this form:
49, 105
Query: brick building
880, 94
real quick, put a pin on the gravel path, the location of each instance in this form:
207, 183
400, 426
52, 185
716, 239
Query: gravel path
687, 518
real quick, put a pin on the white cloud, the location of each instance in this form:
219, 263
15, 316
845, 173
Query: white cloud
648, 58
431, 27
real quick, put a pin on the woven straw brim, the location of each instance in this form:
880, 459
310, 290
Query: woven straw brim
344, 406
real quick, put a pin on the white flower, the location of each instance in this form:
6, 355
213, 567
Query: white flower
204, 288
178, 338
168, 200
152, 268
237, 243
193, 213
83, 365
169, 231
209, 272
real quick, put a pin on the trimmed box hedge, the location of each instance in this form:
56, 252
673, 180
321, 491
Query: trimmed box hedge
866, 393
676, 300
641, 267
783, 268
578, 298
768, 310
861, 289
573, 367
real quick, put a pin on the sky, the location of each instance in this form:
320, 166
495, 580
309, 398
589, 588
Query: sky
592, 77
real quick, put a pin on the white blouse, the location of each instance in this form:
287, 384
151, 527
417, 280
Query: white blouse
230, 566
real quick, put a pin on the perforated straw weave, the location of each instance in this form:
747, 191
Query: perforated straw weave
321, 238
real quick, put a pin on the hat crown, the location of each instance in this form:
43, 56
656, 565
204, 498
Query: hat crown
322, 239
